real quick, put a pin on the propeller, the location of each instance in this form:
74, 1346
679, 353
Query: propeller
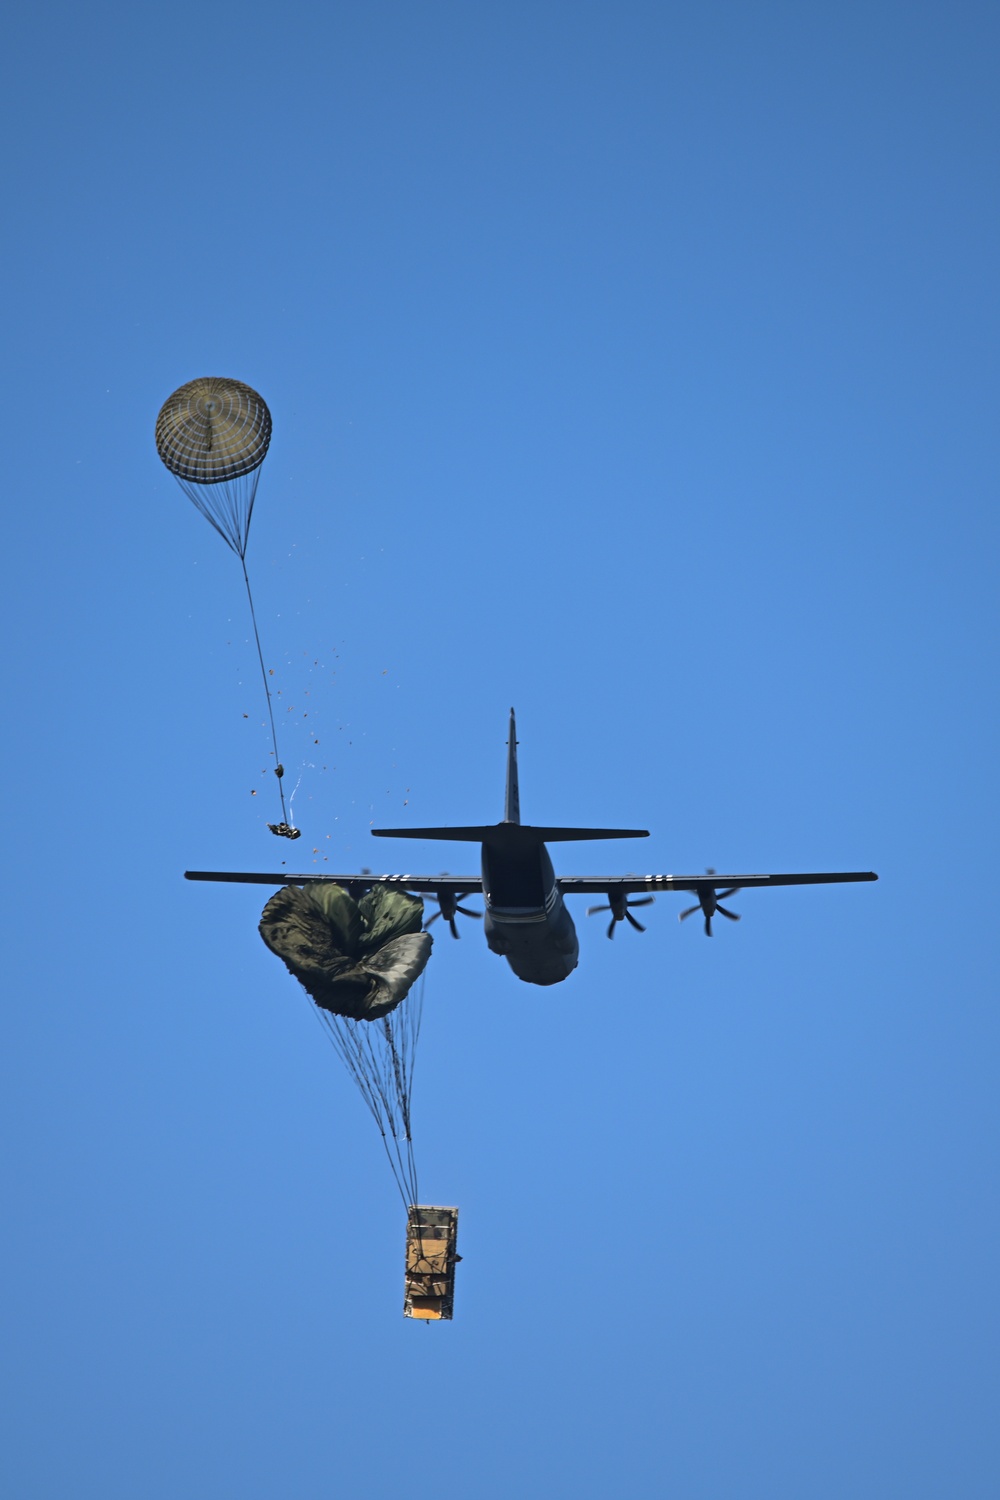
447, 908
618, 905
708, 902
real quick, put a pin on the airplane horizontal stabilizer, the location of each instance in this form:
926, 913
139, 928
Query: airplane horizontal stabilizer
508, 835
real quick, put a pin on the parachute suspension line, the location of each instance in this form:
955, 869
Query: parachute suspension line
350, 1050
227, 505
403, 1095
411, 1016
403, 1056
380, 1059
279, 768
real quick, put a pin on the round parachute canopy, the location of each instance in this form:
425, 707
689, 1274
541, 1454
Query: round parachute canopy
213, 435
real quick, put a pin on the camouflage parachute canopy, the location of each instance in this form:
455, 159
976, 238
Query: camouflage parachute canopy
213, 435
355, 958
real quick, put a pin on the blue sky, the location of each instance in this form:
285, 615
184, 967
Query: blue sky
635, 365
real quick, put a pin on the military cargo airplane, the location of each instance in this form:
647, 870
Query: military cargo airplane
526, 920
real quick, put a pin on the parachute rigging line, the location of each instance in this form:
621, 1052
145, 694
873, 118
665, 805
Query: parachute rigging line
380, 1057
279, 769
213, 435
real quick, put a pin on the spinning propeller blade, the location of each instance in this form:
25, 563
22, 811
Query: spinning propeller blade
618, 906
448, 905
708, 902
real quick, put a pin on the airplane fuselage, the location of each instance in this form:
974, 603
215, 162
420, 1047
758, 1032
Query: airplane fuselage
526, 920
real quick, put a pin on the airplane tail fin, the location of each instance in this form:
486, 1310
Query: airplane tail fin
512, 801
511, 833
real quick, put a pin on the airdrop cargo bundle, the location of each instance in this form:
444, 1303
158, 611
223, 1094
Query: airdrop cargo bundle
431, 1257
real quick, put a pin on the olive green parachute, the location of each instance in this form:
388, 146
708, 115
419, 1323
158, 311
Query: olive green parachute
355, 958
359, 960
213, 435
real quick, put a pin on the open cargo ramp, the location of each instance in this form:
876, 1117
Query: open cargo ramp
431, 1256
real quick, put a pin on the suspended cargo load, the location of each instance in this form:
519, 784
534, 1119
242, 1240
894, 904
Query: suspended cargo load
213, 435
431, 1257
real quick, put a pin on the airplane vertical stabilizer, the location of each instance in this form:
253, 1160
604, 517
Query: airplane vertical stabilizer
512, 801
511, 834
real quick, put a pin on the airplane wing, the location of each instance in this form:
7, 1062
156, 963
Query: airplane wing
627, 885
458, 885
570, 885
